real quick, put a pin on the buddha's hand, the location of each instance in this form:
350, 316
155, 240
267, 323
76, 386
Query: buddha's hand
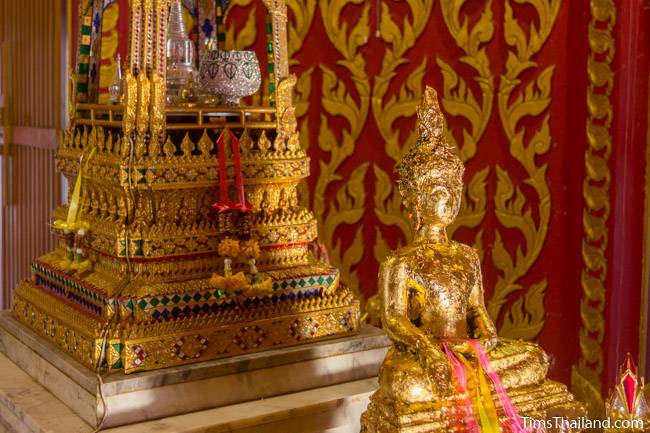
489, 343
435, 362
440, 371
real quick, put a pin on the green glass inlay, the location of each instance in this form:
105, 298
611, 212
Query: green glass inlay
142, 304
270, 68
138, 247
142, 172
85, 30
165, 300
154, 301
176, 299
83, 68
187, 298
207, 295
84, 49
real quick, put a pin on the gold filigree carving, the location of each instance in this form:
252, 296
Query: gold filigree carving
459, 100
303, 16
525, 318
244, 38
387, 201
338, 100
585, 376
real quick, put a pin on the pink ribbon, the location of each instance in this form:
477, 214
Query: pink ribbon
514, 420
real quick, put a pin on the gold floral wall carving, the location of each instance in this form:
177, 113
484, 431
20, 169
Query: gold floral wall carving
586, 375
341, 195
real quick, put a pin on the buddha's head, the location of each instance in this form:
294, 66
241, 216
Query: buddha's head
431, 173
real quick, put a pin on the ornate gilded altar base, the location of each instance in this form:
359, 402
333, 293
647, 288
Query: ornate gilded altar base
183, 322
143, 396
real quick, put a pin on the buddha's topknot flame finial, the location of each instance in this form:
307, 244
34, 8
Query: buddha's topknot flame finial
432, 159
431, 121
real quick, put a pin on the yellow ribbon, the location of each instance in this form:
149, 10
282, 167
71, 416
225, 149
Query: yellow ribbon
482, 401
73, 221
486, 409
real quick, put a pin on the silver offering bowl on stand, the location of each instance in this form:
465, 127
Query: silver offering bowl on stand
230, 75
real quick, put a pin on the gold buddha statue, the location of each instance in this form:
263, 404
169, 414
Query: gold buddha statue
448, 371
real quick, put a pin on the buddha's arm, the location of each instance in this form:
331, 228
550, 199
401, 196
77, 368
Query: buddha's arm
393, 289
478, 319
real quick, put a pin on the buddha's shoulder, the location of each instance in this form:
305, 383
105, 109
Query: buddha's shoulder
398, 256
405, 255
404, 251
464, 249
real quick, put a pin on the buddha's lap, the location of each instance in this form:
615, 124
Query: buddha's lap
404, 378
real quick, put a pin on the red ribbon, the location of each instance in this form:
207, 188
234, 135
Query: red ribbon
224, 204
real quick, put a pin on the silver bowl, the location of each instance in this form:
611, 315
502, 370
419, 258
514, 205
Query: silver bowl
230, 75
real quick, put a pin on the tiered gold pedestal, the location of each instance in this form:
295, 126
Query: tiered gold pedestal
138, 281
143, 396
147, 302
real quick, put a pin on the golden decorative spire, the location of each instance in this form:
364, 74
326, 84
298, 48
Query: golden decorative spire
431, 122
432, 159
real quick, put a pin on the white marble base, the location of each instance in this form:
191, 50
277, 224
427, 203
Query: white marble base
26, 407
162, 393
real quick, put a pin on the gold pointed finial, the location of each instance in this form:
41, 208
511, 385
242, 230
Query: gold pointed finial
432, 160
431, 122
